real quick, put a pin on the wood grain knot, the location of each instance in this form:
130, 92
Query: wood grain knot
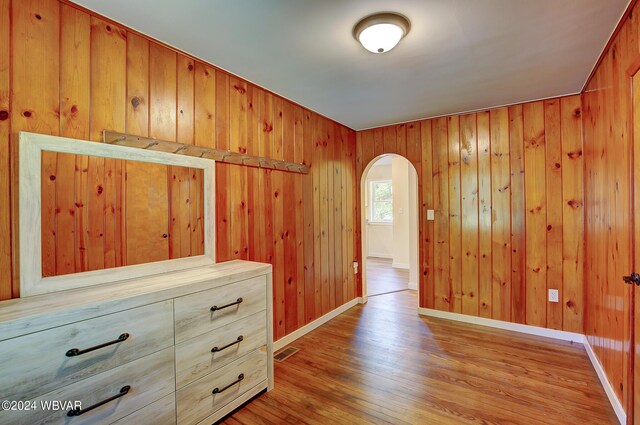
190, 67
4, 115
267, 127
27, 114
240, 89
549, 227
575, 155
570, 304
574, 204
577, 113
135, 102
557, 165
108, 28
99, 189
38, 17
164, 235
276, 194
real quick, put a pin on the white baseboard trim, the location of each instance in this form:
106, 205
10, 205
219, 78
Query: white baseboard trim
499, 324
380, 255
413, 285
403, 266
608, 389
288, 339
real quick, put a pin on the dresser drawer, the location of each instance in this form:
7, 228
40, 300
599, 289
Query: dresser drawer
196, 401
193, 312
194, 357
161, 412
150, 378
37, 363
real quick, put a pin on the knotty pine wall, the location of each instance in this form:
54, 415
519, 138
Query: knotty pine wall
64, 71
506, 187
607, 140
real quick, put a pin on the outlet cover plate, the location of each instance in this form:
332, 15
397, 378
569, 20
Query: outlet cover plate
553, 295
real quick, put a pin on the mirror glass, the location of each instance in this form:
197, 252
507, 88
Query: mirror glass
101, 213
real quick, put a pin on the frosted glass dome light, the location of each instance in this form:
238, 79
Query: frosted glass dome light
381, 32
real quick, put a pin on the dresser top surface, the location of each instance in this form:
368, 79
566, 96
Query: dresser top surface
25, 315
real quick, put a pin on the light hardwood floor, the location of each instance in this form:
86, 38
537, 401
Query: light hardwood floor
381, 363
382, 278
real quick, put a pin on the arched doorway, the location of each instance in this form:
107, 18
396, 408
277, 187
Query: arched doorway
389, 226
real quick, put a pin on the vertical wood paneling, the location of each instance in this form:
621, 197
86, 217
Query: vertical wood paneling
278, 222
6, 236
338, 228
573, 216
35, 103
455, 241
516, 145
331, 225
317, 217
553, 146
289, 225
469, 196
536, 215
108, 90
427, 245
180, 203
238, 197
441, 205
74, 122
501, 214
253, 174
308, 196
485, 222
299, 239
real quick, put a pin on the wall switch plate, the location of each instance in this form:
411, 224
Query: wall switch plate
553, 295
431, 215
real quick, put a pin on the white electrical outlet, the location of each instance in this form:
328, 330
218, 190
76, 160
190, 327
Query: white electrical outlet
553, 295
431, 215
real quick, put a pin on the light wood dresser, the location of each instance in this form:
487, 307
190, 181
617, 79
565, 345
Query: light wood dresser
185, 347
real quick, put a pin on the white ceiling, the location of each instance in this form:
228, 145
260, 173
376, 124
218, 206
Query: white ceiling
460, 55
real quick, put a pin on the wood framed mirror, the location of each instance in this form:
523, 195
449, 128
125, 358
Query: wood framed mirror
36, 210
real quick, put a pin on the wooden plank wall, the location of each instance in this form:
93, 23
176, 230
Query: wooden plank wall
607, 140
74, 74
506, 187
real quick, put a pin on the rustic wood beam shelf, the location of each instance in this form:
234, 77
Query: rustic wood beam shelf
219, 155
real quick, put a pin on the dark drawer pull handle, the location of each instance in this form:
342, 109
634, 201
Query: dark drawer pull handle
215, 307
237, 341
217, 390
77, 412
77, 351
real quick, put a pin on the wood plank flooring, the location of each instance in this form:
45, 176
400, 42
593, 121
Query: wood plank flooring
382, 278
381, 363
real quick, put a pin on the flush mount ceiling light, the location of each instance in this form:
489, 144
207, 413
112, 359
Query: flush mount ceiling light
381, 32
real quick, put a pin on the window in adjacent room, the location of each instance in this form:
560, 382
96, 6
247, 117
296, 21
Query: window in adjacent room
381, 196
